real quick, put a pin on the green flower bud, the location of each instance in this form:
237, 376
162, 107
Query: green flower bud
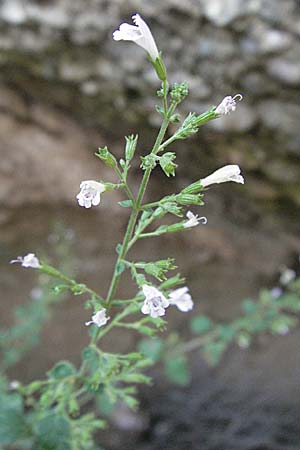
159, 67
179, 92
107, 157
193, 188
131, 142
149, 161
189, 199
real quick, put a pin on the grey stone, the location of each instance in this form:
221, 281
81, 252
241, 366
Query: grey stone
280, 116
283, 70
223, 12
243, 119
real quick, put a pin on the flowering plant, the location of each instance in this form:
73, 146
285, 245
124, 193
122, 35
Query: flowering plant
55, 420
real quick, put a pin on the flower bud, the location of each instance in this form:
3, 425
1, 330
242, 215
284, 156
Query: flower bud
107, 157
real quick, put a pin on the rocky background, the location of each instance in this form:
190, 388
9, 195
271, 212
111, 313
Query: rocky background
67, 88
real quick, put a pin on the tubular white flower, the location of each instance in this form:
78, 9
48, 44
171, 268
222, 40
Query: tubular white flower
89, 194
194, 220
228, 104
224, 174
155, 302
139, 33
182, 299
29, 260
99, 319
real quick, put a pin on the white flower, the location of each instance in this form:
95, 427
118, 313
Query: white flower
287, 275
140, 34
15, 384
99, 318
155, 302
29, 260
276, 292
182, 299
194, 220
228, 104
226, 173
283, 329
89, 194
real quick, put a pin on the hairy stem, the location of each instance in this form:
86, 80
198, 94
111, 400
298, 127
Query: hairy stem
135, 212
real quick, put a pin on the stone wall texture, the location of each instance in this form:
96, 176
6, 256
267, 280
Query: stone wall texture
59, 63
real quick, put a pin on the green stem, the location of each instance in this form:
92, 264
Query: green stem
135, 212
125, 186
82, 288
202, 119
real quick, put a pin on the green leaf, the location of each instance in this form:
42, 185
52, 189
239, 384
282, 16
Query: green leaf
120, 267
249, 306
130, 401
213, 351
151, 348
58, 289
160, 110
226, 332
53, 432
118, 248
125, 203
91, 356
61, 370
12, 419
176, 370
201, 324
105, 403
136, 378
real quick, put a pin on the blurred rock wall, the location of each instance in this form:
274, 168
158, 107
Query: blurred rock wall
63, 79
